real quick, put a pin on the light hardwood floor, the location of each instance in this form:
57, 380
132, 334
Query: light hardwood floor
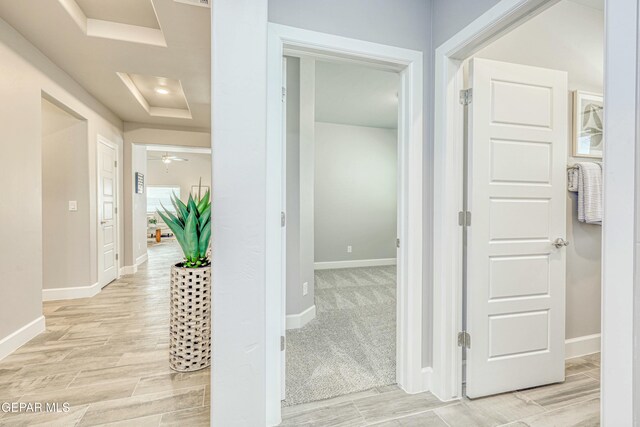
576, 402
107, 356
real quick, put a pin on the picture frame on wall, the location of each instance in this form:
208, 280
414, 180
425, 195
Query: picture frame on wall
588, 124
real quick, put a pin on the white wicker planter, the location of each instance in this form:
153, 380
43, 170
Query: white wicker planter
190, 343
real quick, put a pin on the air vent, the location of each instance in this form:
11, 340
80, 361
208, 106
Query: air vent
202, 3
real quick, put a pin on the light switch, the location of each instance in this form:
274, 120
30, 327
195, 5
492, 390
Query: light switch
73, 205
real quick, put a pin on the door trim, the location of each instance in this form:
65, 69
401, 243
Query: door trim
102, 140
410, 337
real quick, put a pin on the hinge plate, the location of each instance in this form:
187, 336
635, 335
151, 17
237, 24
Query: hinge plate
397, 243
466, 95
284, 93
283, 342
283, 219
464, 339
464, 218
116, 257
115, 163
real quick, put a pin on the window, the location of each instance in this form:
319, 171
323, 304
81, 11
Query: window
161, 194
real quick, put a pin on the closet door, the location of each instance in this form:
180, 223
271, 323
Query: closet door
517, 149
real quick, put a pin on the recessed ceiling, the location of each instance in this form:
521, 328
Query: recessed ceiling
158, 96
95, 61
131, 12
356, 95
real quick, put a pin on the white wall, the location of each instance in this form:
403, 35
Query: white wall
355, 192
239, 93
65, 177
569, 37
183, 174
26, 74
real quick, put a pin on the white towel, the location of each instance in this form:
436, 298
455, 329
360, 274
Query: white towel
586, 179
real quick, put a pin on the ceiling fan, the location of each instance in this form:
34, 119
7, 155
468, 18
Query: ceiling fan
166, 159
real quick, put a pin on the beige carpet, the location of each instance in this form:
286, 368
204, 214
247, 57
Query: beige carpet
351, 344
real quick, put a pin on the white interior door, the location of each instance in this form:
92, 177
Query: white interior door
518, 122
107, 228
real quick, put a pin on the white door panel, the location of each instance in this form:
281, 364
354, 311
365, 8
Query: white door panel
517, 182
107, 231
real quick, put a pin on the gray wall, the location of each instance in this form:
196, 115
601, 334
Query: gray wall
450, 16
569, 37
139, 226
65, 177
355, 192
26, 74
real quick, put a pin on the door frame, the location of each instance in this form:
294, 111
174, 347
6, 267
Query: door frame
116, 185
411, 375
621, 88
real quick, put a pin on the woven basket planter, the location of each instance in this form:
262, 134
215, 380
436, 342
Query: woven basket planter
190, 325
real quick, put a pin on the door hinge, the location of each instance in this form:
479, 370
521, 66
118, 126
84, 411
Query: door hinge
115, 163
283, 219
116, 257
283, 342
397, 243
284, 93
115, 210
464, 218
464, 339
466, 96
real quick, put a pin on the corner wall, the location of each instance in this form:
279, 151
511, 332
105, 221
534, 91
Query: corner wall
26, 74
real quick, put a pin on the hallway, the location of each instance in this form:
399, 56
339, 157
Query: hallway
107, 356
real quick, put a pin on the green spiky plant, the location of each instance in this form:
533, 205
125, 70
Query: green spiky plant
191, 225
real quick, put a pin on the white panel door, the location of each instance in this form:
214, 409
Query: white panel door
107, 228
517, 188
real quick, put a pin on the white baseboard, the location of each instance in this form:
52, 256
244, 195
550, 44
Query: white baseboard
17, 339
70, 293
142, 259
581, 346
296, 321
354, 263
127, 270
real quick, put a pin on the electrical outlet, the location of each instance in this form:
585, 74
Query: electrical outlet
73, 205
305, 288
349, 249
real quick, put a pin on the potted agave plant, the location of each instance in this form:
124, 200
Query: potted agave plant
190, 324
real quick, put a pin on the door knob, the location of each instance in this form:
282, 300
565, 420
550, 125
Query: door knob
103, 222
560, 242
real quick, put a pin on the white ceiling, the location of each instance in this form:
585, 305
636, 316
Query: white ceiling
95, 61
356, 95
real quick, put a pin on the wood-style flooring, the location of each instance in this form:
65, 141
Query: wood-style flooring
576, 402
107, 356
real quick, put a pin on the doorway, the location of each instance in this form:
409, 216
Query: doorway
340, 229
521, 242
410, 332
